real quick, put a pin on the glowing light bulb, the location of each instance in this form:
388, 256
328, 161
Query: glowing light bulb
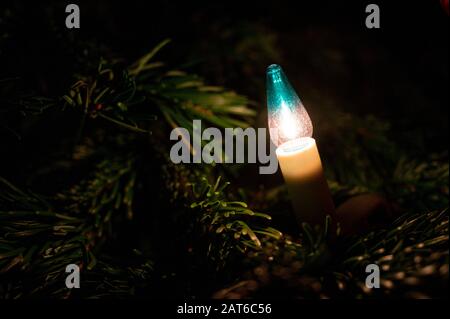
288, 119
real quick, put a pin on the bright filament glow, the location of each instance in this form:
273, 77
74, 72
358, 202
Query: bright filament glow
289, 127
288, 119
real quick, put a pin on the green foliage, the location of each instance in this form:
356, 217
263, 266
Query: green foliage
110, 94
36, 243
421, 184
412, 254
411, 251
148, 89
103, 195
40, 235
230, 225
182, 97
381, 164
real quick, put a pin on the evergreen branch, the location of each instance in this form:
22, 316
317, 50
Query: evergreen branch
410, 252
123, 124
110, 94
425, 184
142, 64
229, 225
37, 241
36, 244
108, 190
413, 250
135, 95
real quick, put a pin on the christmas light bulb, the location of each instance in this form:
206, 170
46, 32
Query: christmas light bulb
288, 119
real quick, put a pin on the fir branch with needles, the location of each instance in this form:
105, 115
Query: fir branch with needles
40, 235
